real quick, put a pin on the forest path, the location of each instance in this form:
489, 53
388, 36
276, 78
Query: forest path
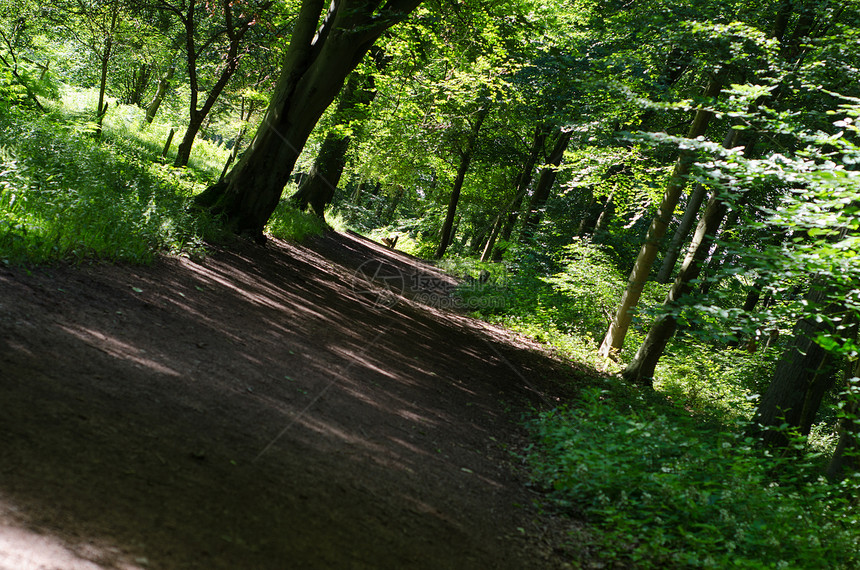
264, 408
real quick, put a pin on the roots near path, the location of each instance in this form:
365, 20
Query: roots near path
279, 407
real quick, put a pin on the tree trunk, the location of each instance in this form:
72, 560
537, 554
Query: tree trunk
465, 159
687, 220
605, 216
392, 206
691, 212
846, 456
614, 339
139, 80
313, 73
318, 188
641, 369
802, 377
235, 33
105, 61
491, 241
544, 184
523, 183
168, 143
237, 143
160, 92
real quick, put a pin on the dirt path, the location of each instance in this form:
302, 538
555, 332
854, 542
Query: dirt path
261, 409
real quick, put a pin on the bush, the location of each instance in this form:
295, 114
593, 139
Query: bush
288, 222
62, 195
664, 491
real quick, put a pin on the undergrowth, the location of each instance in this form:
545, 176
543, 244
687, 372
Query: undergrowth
665, 489
64, 196
67, 195
667, 478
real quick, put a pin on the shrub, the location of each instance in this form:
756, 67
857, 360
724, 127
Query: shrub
62, 195
664, 491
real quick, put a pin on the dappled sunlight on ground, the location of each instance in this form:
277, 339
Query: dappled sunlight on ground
260, 409
22, 548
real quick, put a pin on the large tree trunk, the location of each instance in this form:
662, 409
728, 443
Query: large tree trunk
544, 184
802, 377
318, 187
614, 339
314, 71
846, 456
465, 159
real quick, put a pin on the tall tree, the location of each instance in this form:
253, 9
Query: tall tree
96, 26
465, 155
614, 339
325, 47
545, 181
803, 375
203, 34
524, 181
641, 368
318, 187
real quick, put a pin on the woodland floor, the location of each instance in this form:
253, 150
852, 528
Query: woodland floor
266, 407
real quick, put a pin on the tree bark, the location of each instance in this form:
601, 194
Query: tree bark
846, 456
313, 73
160, 92
491, 241
697, 196
544, 184
687, 220
802, 377
465, 159
318, 188
614, 339
523, 183
606, 214
641, 369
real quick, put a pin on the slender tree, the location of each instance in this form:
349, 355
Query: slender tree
614, 339
545, 181
524, 181
641, 368
465, 159
160, 92
235, 26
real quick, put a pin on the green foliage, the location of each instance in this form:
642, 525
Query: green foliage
64, 196
589, 284
288, 222
715, 382
667, 491
563, 300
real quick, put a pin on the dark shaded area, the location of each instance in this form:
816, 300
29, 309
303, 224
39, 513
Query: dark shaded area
266, 408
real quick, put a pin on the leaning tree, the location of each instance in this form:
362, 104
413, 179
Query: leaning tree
326, 45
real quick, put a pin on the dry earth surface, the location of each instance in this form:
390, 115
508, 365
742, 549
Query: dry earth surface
266, 407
